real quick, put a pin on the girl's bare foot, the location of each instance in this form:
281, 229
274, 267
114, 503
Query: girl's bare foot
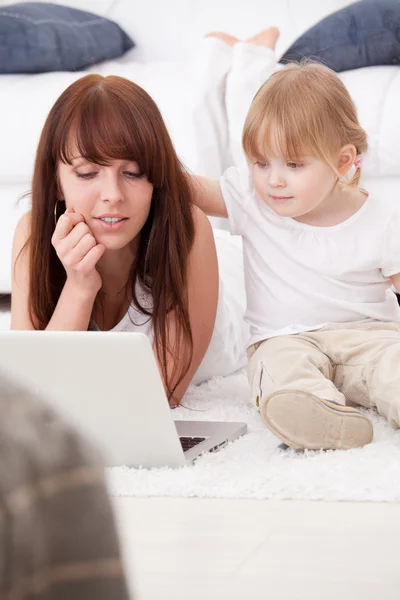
266, 38
225, 37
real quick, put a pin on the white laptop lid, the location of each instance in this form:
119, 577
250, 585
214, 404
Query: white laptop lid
106, 383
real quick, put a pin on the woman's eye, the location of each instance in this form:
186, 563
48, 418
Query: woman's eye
262, 165
293, 165
86, 175
133, 174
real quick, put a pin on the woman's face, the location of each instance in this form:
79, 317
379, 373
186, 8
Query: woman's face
114, 199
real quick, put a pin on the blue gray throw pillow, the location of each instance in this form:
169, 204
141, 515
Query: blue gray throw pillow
39, 37
363, 34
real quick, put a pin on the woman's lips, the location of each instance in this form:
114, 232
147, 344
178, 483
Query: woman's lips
109, 224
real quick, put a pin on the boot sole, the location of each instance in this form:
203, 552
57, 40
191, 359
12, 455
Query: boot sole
304, 421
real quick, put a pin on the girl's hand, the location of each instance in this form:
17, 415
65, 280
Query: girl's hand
78, 251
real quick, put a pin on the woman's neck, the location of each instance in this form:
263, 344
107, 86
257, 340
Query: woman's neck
115, 267
115, 295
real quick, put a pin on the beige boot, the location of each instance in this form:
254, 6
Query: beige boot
303, 420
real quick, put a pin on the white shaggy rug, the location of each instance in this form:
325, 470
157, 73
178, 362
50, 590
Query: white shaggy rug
255, 467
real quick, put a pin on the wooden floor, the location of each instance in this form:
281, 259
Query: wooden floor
192, 549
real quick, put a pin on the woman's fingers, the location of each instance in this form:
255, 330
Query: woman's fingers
73, 240
90, 260
74, 237
65, 225
78, 251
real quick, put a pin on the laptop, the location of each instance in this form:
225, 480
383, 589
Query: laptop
108, 385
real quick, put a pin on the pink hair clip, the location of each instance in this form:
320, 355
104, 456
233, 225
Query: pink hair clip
358, 163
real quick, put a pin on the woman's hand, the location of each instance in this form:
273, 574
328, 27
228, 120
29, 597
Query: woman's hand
78, 251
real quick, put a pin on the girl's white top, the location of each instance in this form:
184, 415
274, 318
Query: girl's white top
300, 277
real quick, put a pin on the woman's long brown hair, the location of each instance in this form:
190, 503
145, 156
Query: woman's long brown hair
113, 118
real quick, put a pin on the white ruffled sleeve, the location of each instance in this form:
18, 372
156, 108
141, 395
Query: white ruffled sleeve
235, 187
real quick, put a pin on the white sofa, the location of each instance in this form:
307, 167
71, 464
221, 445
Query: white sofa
167, 35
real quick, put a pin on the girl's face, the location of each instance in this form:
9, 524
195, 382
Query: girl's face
114, 199
294, 189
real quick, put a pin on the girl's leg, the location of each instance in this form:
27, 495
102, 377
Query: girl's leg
291, 383
383, 380
368, 366
253, 62
208, 79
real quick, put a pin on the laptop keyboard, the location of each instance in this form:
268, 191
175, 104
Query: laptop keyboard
190, 442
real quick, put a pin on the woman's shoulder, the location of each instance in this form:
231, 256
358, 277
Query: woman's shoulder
21, 234
23, 228
198, 215
203, 245
202, 225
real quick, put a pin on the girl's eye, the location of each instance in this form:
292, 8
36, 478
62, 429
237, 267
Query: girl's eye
262, 165
86, 175
293, 165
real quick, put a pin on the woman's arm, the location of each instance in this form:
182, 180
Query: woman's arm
203, 283
20, 318
74, 307
395, 279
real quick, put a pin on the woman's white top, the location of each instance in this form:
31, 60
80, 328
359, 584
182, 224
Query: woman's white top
226, 352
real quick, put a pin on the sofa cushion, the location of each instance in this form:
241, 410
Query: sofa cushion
39, 37
364, 34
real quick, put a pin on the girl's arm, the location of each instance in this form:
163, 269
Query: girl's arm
207, 195
74, 308
203, 286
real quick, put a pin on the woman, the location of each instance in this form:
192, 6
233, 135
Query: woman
113, 241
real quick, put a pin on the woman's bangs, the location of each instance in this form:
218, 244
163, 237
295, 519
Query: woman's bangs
100, 134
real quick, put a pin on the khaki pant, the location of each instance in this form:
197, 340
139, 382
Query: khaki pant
357, 364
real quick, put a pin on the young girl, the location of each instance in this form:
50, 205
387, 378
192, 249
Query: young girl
320, 257
113, 241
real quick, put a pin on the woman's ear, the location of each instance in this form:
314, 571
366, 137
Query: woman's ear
59, 192
347, 156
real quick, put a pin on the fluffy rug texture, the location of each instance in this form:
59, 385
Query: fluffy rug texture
255, 467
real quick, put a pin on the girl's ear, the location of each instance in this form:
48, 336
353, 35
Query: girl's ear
347, 156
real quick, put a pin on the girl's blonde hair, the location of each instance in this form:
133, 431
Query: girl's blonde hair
303, 109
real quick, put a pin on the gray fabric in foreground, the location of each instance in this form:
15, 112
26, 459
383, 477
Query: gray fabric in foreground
57, 531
